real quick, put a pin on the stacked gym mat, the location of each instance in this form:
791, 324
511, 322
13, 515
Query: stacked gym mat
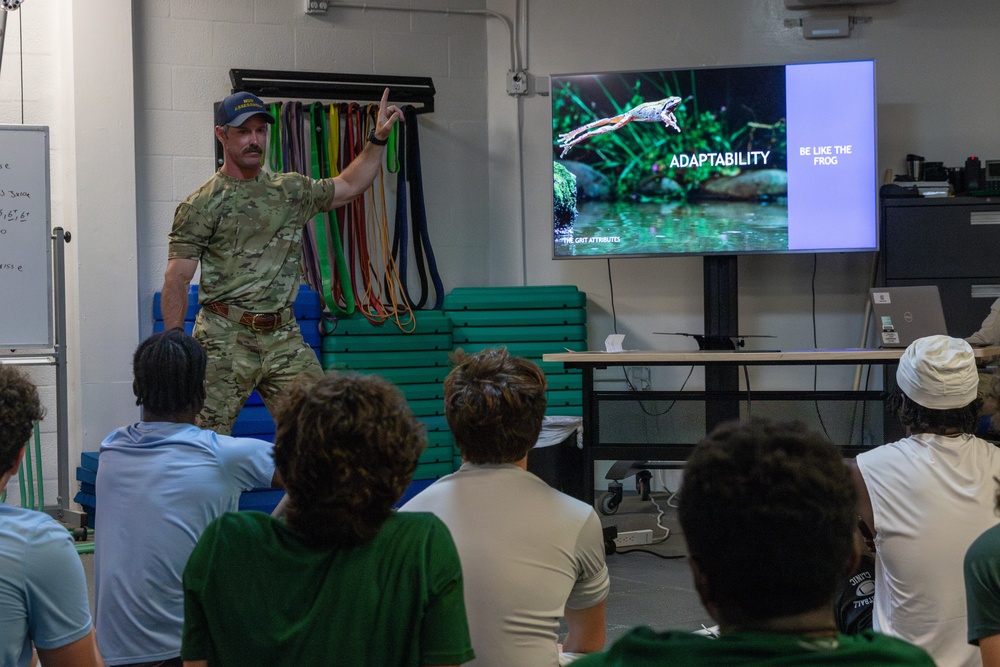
253, 420
529, 322
86, 474
414, 357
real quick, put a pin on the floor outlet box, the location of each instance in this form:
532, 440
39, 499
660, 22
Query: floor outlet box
634, 538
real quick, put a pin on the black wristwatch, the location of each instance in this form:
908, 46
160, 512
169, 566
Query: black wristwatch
372, 139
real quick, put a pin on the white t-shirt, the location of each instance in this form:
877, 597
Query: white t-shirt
527, 551
932, 496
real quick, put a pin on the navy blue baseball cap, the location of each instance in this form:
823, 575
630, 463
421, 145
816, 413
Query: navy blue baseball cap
238, 107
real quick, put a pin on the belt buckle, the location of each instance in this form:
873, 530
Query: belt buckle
257, 329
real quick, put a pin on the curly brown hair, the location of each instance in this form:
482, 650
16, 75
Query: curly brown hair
494, 404
346, 447
19, 410
768, 510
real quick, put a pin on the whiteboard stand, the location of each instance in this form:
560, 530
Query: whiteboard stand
56, 357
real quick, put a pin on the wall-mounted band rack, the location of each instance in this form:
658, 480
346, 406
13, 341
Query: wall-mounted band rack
414, 90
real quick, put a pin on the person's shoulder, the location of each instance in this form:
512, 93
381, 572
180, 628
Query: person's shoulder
889, 450
285, 180
415, 520
32, 528
232, 525
229, 446
21, 519
870, 647
206, 190
986, 547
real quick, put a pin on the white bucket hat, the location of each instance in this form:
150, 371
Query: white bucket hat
938, 372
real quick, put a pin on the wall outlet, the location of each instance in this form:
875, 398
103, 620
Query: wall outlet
634, 538
638, 377
517, 83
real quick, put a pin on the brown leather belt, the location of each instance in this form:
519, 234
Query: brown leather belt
253, 321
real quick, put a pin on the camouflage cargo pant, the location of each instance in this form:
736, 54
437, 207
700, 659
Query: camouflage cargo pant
241, 360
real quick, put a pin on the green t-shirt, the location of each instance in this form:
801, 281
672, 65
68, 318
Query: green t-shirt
982, 585
247, 235
254, 594
643, 647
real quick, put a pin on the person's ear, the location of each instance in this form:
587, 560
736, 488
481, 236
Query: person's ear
17, 463
704, 588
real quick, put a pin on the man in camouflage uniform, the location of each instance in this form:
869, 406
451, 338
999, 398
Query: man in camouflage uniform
245, 226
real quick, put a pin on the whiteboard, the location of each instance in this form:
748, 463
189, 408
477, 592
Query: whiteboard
25, 238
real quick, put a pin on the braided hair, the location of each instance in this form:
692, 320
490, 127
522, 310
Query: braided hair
169, 373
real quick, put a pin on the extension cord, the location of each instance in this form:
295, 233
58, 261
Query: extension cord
634, 538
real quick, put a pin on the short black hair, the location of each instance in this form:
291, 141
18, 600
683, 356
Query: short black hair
769, 512
928, 420
169, 373
494, 404
20, 408
346, 447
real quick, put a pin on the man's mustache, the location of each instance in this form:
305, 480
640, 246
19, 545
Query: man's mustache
253, 148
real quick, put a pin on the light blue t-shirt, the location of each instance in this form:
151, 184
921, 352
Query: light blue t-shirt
43, 591
159, 484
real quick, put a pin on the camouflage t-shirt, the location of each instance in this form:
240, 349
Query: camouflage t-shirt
247, 235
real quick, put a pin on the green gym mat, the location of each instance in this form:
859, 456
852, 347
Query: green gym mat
383, 359
533, 351
434, 470
504, 335
419, 375
437, 455
564, 397
427, 321
542, 316
336, 343
414, 392
440, 439
520, 298
434, 423
558, 381
427, 407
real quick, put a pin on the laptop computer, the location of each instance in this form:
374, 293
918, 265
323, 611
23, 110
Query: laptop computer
904, 314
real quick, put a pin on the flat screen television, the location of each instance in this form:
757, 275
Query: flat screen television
715, 161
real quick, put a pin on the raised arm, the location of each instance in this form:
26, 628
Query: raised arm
174, 296
586, 629
358, 176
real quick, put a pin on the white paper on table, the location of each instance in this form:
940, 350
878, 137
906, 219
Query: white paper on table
613, 343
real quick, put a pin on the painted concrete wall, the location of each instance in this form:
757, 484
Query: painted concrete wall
486, 155
936, 95
68, 66
184, 51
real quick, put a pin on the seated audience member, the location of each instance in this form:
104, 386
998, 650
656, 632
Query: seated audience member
768, 512
43, 590
982, 592
925, 498
343, 579
989, 330
530, 554
159, 484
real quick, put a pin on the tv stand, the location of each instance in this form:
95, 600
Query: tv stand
721, 288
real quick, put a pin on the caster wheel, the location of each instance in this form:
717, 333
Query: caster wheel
609, 503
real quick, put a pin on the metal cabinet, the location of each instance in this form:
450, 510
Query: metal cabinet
953, 243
